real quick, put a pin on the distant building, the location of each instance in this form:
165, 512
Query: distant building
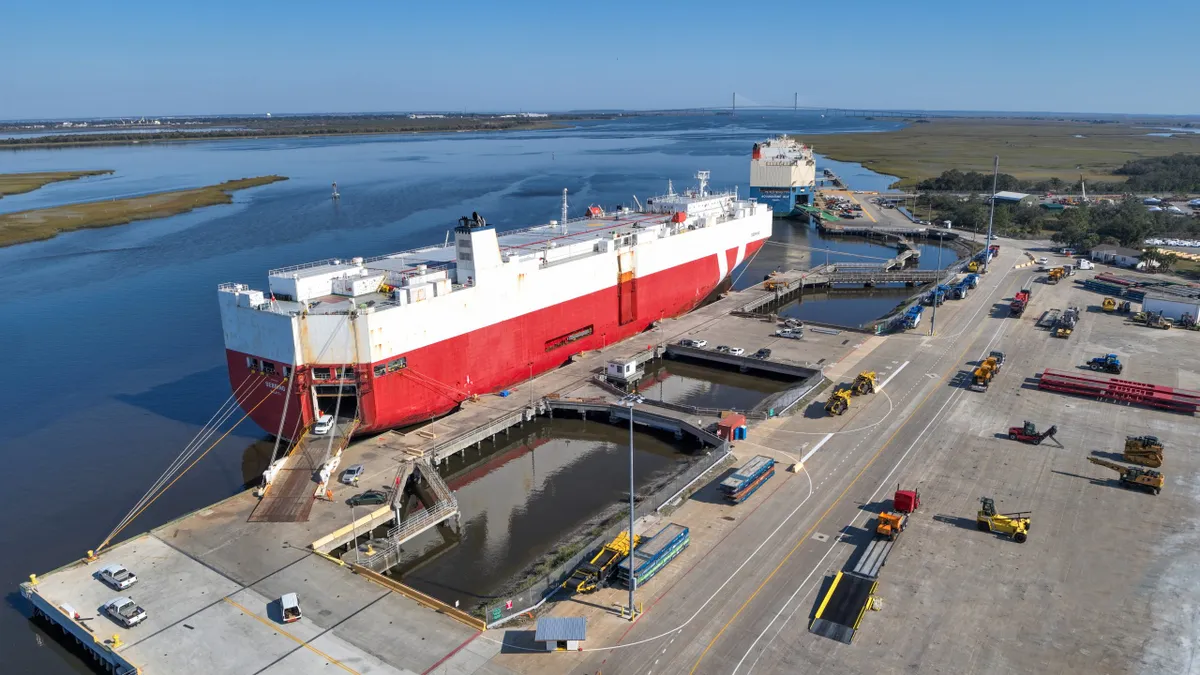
1117, 255
425, 117
1006, 197
1172, 306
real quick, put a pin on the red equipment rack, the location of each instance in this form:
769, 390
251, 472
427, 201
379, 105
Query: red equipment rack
1153, 395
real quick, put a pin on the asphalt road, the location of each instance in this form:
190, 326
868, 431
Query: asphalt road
755, 594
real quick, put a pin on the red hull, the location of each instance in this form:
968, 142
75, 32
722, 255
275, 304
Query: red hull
501, 355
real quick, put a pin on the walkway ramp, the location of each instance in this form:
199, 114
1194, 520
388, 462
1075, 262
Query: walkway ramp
440, 505
290, 496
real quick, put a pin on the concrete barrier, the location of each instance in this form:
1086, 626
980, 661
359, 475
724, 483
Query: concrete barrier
420, 598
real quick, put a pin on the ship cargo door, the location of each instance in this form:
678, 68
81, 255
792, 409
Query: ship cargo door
338, 400
626, 289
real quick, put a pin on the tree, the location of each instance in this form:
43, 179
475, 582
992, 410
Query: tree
1158, 260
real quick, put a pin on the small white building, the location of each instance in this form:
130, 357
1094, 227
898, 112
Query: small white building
561, 633
1172, 306
624, 371
1117, 255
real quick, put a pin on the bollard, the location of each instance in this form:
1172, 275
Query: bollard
33, 579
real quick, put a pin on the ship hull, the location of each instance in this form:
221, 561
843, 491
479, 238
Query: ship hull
784, 201
502, 355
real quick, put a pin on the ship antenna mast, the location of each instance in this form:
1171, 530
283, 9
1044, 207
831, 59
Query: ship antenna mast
702, 176
670, 188
563, 222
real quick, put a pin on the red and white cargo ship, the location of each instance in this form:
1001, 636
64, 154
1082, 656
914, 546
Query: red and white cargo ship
401, 338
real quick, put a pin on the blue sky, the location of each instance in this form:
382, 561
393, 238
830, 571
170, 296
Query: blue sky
86, 58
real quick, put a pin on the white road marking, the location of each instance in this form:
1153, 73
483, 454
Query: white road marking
889, 379
816, 447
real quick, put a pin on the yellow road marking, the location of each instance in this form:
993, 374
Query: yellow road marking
864, 209
300, 642
823, 515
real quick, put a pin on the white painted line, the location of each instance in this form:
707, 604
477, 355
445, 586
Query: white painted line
816, 447
889, 379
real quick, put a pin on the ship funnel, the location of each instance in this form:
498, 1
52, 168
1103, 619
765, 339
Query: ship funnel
757, 154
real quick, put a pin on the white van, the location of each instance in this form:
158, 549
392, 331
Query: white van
1084, 264
289, 606
323, 424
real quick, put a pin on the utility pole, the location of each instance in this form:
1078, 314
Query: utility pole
933, 317
987, 257
732, 109
354, 533
796, 102
632, 577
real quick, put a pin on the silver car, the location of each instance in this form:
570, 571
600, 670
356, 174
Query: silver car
118, 577
125, 612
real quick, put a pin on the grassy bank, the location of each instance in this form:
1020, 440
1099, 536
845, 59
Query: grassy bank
1028, 149
25, 226
17, 183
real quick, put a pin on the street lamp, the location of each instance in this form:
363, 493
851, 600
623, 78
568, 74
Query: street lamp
354, 533
933, 317
992, 213
632, 576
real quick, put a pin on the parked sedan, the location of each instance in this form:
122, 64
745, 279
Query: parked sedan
763, 353
369, 498
736, 351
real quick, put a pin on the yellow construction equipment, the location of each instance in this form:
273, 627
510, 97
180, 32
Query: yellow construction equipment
1132, 477
890, 524
1144, 450
839, 402
1055, 275
974, 266
864, 383
1110, 305
589, 575
1015, 525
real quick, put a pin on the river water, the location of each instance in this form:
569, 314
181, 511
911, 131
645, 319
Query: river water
115, 332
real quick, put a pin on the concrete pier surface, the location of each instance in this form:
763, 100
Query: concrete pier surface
1103, 585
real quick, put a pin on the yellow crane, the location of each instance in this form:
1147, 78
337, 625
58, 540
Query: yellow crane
1133, 477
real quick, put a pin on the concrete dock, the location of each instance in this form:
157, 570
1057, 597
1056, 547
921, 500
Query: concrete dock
210, 581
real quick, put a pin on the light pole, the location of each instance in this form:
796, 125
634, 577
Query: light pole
354, 533
531, 385
933, 317
987, 257
632, 576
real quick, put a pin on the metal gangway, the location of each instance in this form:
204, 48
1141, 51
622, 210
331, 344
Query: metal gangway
440, 506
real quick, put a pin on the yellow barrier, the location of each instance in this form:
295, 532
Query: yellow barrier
419, 597
347, 529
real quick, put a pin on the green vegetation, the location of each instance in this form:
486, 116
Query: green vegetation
24, 226
17, 183
1123, 223
1178, 173
1029, 149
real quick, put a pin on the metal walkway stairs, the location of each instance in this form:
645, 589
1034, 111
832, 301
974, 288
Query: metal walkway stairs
417, 477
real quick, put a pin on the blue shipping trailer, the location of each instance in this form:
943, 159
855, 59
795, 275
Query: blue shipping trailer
653, 554
747, 479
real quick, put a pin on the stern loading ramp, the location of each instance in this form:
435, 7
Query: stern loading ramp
290, 494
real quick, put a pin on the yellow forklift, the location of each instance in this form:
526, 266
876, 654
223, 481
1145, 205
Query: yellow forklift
1015, 525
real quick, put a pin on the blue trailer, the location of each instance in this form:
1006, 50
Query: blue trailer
912, 318
747, 479
653, 554
971, 280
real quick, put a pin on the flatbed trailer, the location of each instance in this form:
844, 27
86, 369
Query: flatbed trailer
1126, 391
747, 479
653, 554
849, 597
843, 607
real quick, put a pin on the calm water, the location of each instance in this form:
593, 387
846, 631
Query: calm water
116, 331
525, 495
705, 387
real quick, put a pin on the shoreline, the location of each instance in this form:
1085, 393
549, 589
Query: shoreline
193, 136
22, 227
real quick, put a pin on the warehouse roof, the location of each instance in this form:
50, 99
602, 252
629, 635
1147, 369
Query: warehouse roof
555, 628
1178, 296
1117, 250
1007, 196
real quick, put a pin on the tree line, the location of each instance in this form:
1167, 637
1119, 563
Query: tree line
1170, 174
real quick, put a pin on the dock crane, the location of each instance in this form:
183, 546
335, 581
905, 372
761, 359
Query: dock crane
1132, 477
